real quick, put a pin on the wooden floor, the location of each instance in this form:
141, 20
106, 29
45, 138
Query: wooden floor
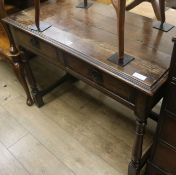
73, 133
79, 131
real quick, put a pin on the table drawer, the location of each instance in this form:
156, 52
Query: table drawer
100, 78
165, 158
169, 130
38, 46
171, 104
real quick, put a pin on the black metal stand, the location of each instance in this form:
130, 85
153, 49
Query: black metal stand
127, 59
43, 26
84, 5
162, 26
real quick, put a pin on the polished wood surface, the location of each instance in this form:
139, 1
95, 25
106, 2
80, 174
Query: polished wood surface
102, 40
82, 40
165, 140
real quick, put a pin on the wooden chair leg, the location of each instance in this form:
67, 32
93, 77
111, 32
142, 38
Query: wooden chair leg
133, 4
120, 12
156, 7
18, 67
162, 10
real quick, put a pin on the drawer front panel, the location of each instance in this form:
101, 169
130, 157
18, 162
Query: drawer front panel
38, 46
165, 158
101, 78
169, 130
171, 104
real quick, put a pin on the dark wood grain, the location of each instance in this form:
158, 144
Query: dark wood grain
90, 35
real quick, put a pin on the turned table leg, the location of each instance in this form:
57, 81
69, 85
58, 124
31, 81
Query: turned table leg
37, 96
135, 164
143, 107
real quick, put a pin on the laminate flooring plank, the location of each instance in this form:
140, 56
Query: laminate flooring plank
87, 124
79, 100
10, 130
101, 108
43, 68
9, 92
69, 117
111, 114
82, 112
81, 126
73, 154
9, 165
6, 72
10, 87
37, 159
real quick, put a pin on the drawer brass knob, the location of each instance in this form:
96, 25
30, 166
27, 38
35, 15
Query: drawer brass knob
35, 42
96, 76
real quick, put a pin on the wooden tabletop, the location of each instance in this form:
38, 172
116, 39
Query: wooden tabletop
91, 36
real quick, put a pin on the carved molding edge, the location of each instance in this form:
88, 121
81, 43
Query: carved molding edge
134, 82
